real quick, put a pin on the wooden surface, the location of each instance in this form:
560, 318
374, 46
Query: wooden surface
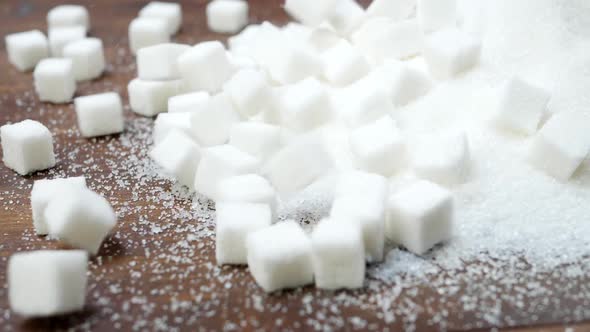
150, 273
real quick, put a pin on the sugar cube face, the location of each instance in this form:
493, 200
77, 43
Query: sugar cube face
396, 10
159, 62
346, 16
378, 147
292, 64
26, 49
561, 145
68, 16
149, 98
343, 64
420, 216
60, 37
211, 123
227, 16
323, 37
364, 102
450, 52
221, 162
146, 31
444, 159
47, 282
280, 256
188, 102
338, 255
170, 12
87, 57
54, 80
249, 188
408, 84
167, 122
100, 114
437, 14
305, 105
27, 146
258, 139
521, 106
205, 67
179, 156
405, 40
45, 190
80, 218
249, 91
310, 12
234, 221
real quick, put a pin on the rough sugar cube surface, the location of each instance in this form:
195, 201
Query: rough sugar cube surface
293, 63
60, 37
310, 12
227, 16
420, 216
100, 114
68, 16
188, 102
338, 255
444, 159
407, 84
450, 52
343, 64
27, 146
437, 14
249, 188
146, 31
54, 80
87, 57
280, 256
45, 190
150, 98
26, 49
211, 124
47, 282
170, 12
249, 91
258, 139
159, 62
346, 16
167, 122
363, 102
305, 105
396, 10
205, 67
234, 221
179, 156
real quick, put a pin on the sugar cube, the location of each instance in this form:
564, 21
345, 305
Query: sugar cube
364, 102
343, 64
562, 144
100, 114
450, 52
396, 10
179, 156
188, 102
437, 14
221, 162
47, 282
27, 146
167, 122
407, 84
249, 188
80, 218
68, 16
26, 49
258, 139
149, 98
234, 222
87, 57
170, 12
346, 16
205, 67
293, 63
323, 37
54, 80
60, 37
45, 190
378, 147
305, 105
227, 16
310, 12
338, 255
146, 31
443, 159
279, 256
405, 40
159, 62
249, 91
420, 216
211, 123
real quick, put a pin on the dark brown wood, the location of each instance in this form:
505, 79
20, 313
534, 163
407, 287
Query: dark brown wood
133, 282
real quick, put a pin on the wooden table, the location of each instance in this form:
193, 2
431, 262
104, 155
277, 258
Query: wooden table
151, 273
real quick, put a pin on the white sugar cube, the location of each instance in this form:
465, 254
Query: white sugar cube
87, 57
45, 190
80, 218
280, 256
179, 156
343, 64
68, 16
562, 144
167, 122
60, 37
100, 114
521, 106
346, 16
27, 146
310, 12
364, 102
249, 91
227, 16
338, 255
407, 84
234, 222
293, 63
54, 80
211, 123
205, 67
378, 147
437, 14
450, 52
305, 105
241, 61
370, 38
159, 62
323, 37
170, 12
47, 282
420, 216
249, 188
258, 139
221, 162
188, 102
26, 49
146, 31
381, 39
444, 159
149, 98
396, 10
